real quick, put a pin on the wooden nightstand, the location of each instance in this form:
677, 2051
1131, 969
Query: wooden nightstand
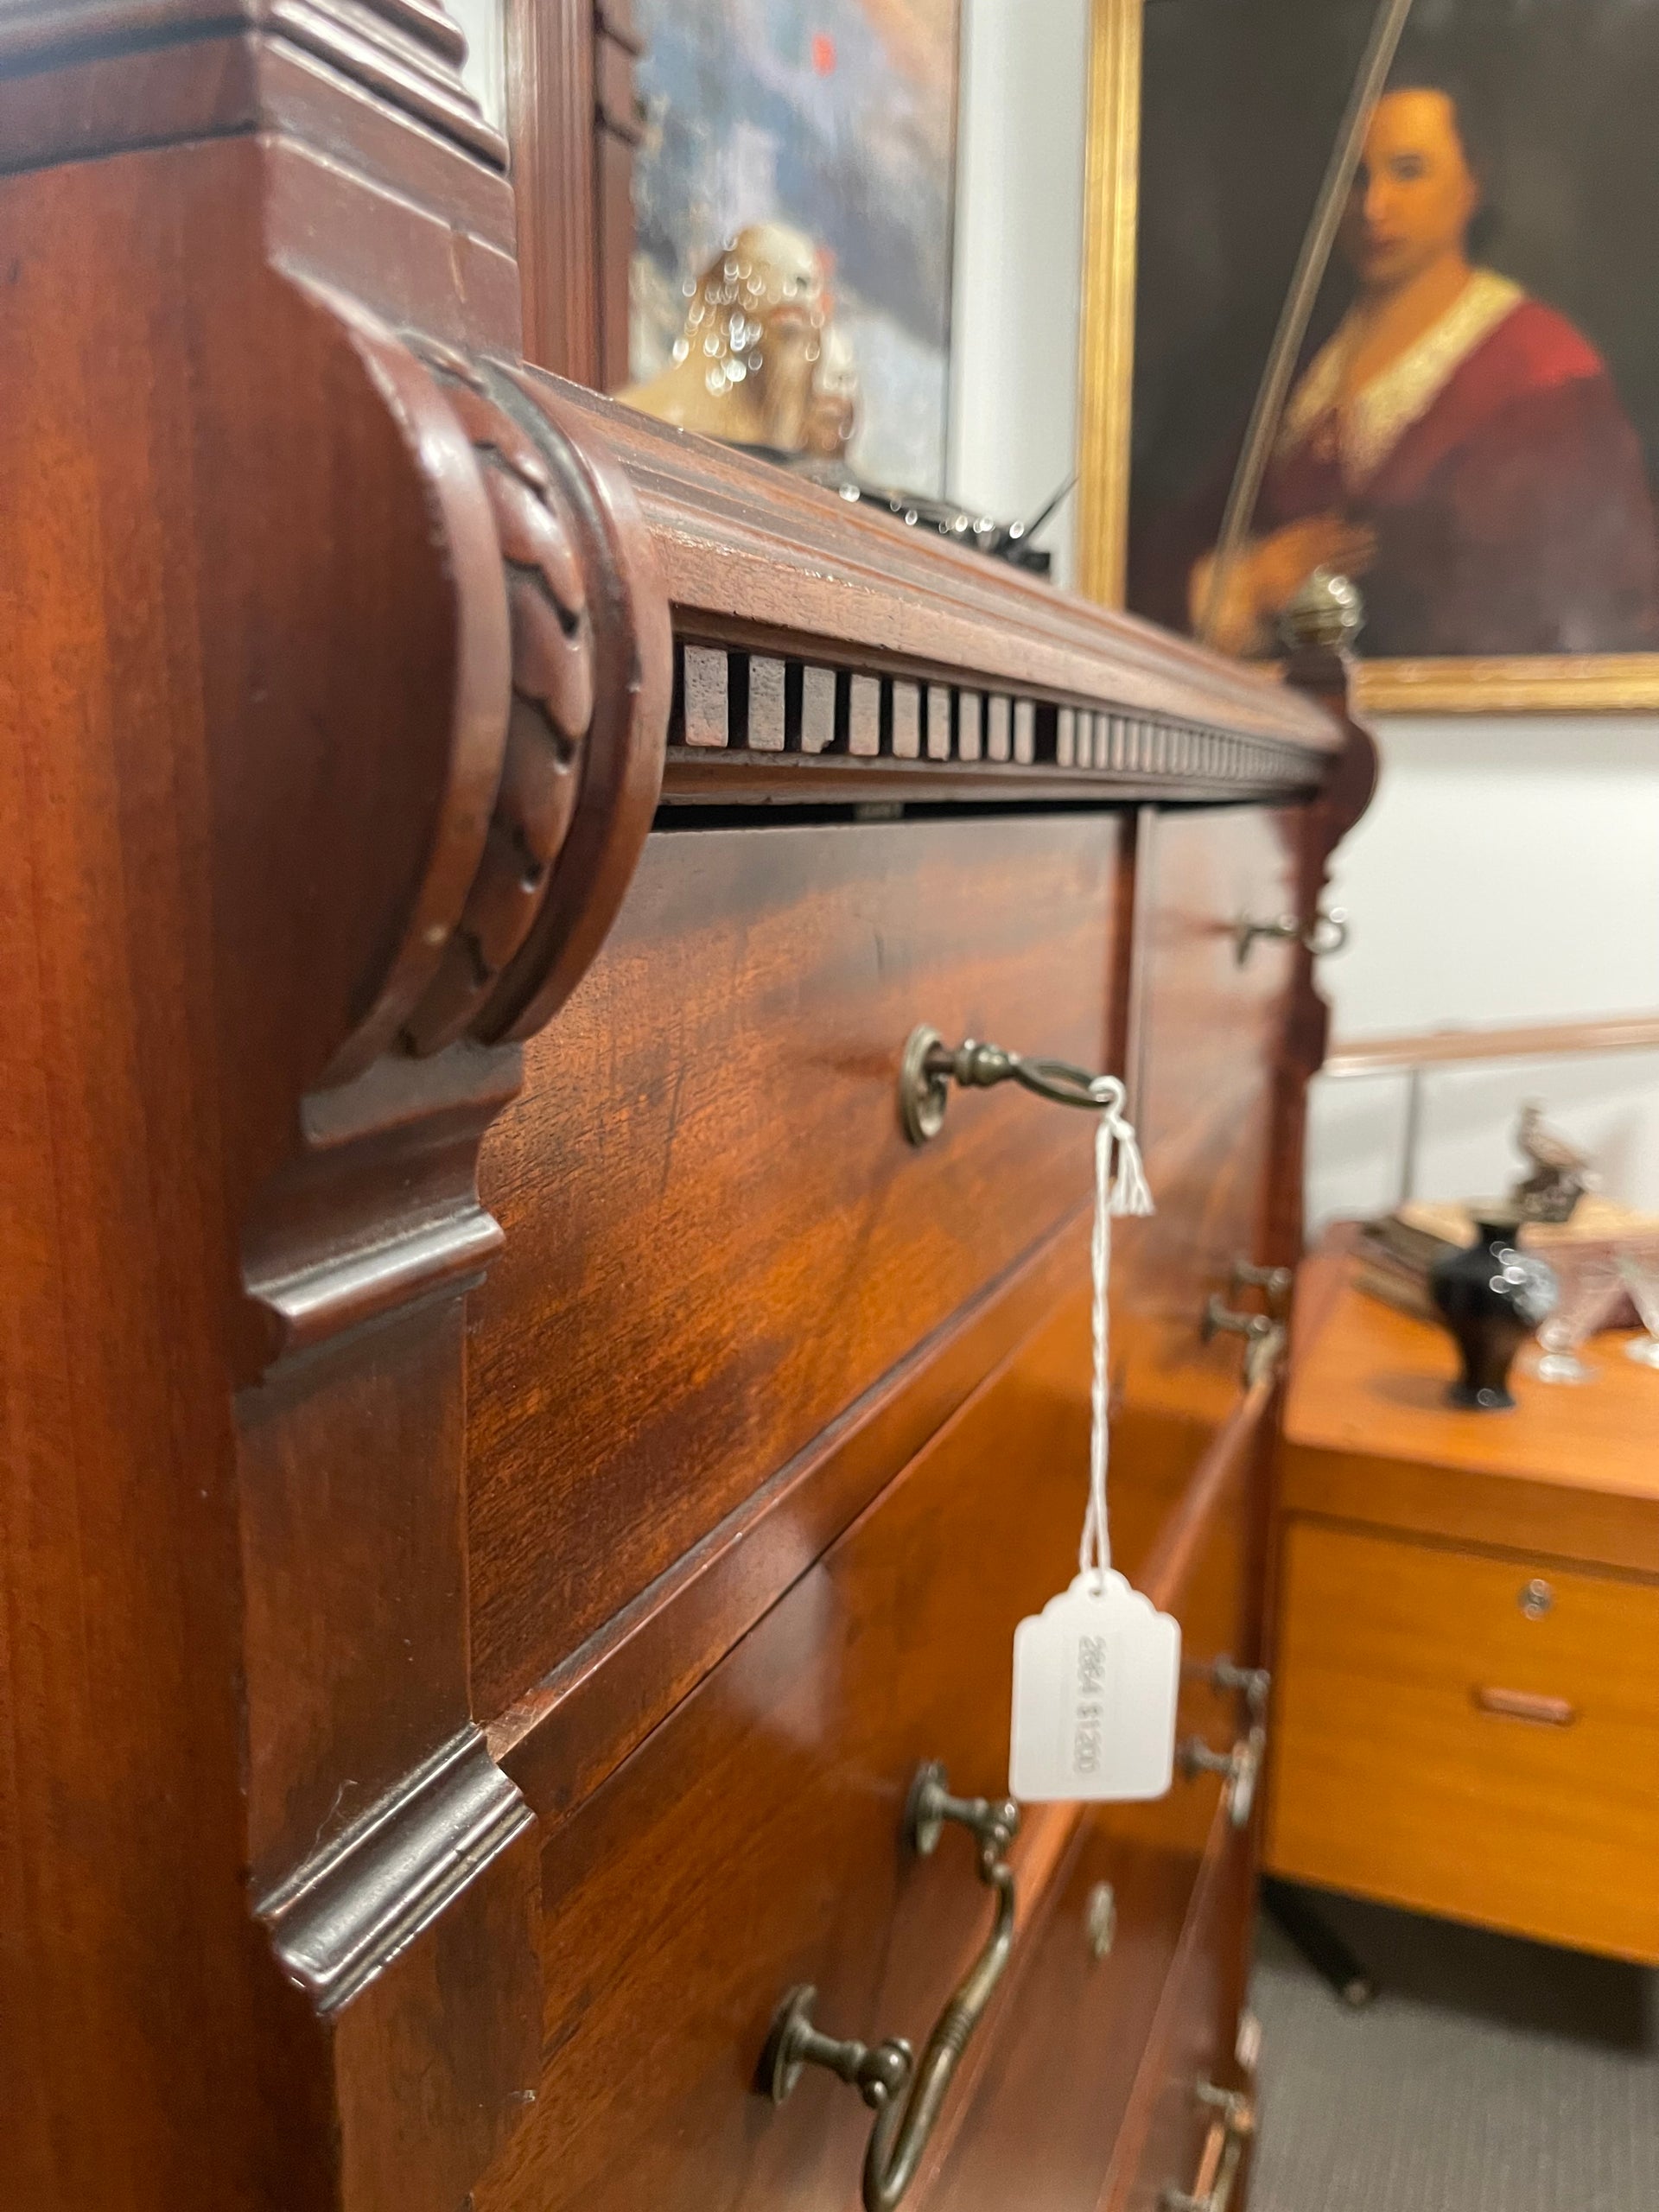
1466, 1697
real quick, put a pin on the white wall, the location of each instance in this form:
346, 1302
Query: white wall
1019, 257
485, 70
1508, 872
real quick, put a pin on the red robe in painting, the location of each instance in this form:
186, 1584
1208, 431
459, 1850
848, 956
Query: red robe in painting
1512, 516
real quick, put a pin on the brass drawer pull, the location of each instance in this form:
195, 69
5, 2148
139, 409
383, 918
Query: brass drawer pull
1265, 1336
1241, 1767
1253, 1684
1525, 1705
883, 2072
1221, 1320
1223, 2152
1275, 1283
1326, 933
930, 1066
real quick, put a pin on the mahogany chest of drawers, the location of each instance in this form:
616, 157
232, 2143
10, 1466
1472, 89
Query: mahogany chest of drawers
514, 1463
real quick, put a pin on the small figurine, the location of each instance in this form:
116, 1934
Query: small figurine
762, 365
1562, 1173
757, 364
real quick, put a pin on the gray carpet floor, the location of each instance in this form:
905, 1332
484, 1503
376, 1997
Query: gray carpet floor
1488, 2075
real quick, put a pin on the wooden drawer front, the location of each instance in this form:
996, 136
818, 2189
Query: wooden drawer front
1437, 1747
1208, 1041
753, 1841
1213, 1589
1207, 1037
1173, 2137
1044, 2119
1044, 2115
717, 1237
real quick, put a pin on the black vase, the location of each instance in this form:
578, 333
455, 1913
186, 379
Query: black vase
1491, 1297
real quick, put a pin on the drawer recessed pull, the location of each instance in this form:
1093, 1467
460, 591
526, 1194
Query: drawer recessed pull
930, 1066
1223, 2151
1240, 1767
1526, 1705
882, 2072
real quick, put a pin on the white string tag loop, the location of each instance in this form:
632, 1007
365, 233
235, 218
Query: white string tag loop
1125, 1194
1097, 1671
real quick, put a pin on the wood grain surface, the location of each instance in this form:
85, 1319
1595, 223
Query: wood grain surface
755, 556
752, 1841
230, 760
1442, 1749
718, 1236
1078, 2053
1521, 1752
1204, 1114
1041, 2126
559, 1742
1573, 1473
1168, 2140
339, 657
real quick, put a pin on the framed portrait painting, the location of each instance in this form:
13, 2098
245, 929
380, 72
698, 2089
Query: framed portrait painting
820, 133
1471, 429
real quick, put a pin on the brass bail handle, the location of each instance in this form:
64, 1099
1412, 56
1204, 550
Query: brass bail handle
930, 1066
883, 2073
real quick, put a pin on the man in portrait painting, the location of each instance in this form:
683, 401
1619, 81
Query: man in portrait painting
1457, 447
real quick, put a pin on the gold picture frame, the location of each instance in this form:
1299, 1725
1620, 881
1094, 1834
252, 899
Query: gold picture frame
1556, 684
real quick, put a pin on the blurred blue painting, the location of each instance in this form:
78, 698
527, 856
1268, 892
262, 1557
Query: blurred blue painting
838, 118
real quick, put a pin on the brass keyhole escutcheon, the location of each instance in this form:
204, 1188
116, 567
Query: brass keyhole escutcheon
1536, 1598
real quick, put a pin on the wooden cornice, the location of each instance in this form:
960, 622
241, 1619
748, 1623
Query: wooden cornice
409, 52
757, 557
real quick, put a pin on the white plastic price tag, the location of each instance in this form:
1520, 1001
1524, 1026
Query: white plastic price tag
1096, 1677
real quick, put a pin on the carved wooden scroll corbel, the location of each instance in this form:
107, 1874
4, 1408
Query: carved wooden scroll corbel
372, 1886
336, 681
563, 676
560, 710
592, 673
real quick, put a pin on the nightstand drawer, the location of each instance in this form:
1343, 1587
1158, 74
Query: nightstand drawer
1470, 1734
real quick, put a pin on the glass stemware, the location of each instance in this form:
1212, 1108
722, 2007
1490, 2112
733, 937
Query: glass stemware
1590, 1288
1638, 1268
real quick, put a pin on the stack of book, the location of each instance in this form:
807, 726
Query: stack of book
1393, 1254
